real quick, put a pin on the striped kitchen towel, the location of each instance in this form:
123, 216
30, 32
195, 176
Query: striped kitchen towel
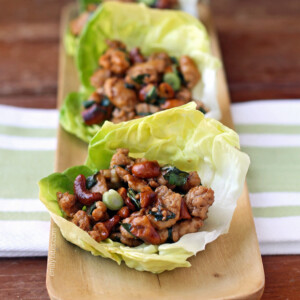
27, 149
269, 133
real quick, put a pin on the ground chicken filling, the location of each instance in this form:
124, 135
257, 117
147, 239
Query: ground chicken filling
128, 85
77, 25
136, 201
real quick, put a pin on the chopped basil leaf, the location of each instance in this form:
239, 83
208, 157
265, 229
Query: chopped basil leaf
91, 181
140, 78
116, 239
161, 101
174, 60
170, 235
91, 209
181, 77
151, 96
202, 110
144, 114
131, 194
159, 216
126, 226
148, 2
84, 208
105, 102
88, 103
129, 86
121, 166
175, 176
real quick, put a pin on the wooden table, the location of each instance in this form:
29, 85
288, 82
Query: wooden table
260, 44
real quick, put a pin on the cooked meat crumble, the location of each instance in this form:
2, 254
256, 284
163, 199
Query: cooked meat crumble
129, 85
137, 201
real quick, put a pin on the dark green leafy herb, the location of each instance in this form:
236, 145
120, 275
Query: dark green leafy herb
91, 209
181, 77
131, 194
116, 239
105, 102
151, 96
161, 101
121, 166
170, 235
148, 2
144, 114
91, 181
174, 60
159, 216
175, 176
127, 227
88, 103
202, 110
129, 86
139, 79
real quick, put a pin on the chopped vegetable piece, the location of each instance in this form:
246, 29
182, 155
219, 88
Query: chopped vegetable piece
173, 80
143, 114
113, 200
151, 96
88, 103
131, 194
91, 181
174, 60
105, 102
170, 235
129, 86
202, 110
140, 78
148, 2
175, 176
84, 208
91, 209
159, 216
127, 227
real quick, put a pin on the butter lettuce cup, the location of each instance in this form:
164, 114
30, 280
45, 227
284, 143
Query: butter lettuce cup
88, 7
134, 61
180, 137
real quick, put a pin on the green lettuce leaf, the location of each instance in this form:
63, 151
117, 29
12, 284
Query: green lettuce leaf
70, 42
189, 6
84, 3
71, 120
152, 30
181, 137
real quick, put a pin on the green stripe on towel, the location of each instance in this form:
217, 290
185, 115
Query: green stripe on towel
273, 169
24, 216
27, 132
267, 129
21, 171
276, 211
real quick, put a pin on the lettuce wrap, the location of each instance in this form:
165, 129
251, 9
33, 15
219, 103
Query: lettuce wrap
71, 41
182, 137
152, 30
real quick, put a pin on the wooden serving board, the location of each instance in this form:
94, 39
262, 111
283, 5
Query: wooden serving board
229, 268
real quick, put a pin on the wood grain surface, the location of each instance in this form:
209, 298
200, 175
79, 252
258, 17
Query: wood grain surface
260, 46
